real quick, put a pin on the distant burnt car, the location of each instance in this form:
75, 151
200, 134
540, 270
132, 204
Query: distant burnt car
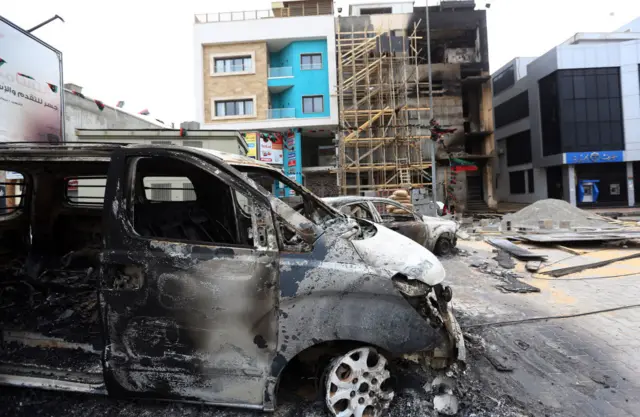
434, 233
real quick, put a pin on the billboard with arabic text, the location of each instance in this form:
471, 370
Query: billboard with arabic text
31, 91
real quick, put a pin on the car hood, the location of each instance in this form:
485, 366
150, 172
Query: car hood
438, 222
391, 251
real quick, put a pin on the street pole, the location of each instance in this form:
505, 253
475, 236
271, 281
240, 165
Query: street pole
434, 183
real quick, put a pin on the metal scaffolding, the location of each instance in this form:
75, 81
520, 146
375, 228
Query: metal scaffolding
382, 114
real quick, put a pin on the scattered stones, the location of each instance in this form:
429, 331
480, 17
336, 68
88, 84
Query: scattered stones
533, 266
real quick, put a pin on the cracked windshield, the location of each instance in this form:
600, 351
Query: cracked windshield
320, 208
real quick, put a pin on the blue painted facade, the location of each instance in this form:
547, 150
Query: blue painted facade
301, 83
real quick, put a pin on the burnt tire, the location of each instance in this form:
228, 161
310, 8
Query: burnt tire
444, 245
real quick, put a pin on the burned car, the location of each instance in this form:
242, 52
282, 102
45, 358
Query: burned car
438, 234
173, 272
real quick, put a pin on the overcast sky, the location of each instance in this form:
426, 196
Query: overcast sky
140, 51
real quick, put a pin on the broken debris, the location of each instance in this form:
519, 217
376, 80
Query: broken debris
517, 251
560, 272
504, 260
510, 279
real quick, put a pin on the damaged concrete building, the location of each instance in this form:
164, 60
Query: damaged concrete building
385, 130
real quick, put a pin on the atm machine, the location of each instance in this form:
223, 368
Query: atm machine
588, 191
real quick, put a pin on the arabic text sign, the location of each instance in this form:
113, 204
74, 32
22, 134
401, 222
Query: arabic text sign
30, 88
594, 157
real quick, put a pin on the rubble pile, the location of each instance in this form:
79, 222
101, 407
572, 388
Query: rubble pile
558, 212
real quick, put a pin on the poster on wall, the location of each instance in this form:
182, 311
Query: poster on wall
251, 139
30, 88
271, 150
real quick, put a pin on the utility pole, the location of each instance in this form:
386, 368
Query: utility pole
434, 183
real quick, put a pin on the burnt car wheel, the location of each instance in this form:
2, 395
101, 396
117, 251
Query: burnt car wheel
443, 246
358, 384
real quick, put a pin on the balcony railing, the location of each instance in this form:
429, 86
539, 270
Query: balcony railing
281, 114
302, 9
280, 72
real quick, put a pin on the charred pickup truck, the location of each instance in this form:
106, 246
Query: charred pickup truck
171, 272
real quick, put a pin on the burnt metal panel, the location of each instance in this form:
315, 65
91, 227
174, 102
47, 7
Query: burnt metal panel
192, 321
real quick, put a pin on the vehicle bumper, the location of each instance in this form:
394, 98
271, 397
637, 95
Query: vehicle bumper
434, 305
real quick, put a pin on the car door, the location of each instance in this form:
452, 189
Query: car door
396, 217
188, 282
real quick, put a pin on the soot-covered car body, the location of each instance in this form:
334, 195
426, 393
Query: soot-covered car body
206, 291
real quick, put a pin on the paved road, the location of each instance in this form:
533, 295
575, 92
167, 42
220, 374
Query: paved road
584, 366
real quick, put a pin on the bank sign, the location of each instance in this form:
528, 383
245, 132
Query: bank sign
30, 88
593, 157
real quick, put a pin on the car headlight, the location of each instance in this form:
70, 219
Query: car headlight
410, 287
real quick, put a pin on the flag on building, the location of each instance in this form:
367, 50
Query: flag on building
120, 104
144, 112
99, 104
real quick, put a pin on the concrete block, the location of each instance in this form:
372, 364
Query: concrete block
565, 224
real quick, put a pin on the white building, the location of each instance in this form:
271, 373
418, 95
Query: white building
273, 72
567, 124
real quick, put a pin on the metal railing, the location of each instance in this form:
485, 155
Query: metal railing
281, 113
294, 10
280, 72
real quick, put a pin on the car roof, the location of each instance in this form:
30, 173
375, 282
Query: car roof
99, 149
351, 199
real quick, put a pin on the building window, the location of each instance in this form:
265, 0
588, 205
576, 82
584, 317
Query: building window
313, 104
504, 80
375, 10
159, 191
581, 111
530, 181
519, 148
226, 108
516, 182
233, 64
512, 110
311, 61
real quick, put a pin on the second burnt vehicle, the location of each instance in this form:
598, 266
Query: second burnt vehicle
172, 272
438, 234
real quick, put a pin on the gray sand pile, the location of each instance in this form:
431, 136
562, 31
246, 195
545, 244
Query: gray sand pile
557, 211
